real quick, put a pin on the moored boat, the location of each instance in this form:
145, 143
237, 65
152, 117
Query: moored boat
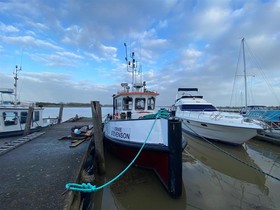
13, 114
203, 119
270, 117
135, 127
259, 112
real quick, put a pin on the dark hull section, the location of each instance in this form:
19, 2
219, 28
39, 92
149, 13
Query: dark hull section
165, 161
17, 133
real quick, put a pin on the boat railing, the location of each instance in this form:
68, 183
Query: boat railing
49, 121
13, 104
217, 115
27, 103
274, 126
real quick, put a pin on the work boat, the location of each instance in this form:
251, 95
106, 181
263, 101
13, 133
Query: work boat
13, 113
202, 119
137, 134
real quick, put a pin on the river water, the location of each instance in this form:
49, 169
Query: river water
70, 112
211, 178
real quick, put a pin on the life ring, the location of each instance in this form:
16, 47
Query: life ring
116, 116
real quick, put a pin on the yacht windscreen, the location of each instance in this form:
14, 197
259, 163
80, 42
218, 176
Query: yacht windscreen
198, 107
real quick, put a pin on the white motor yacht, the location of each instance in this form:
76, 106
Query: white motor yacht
202, 119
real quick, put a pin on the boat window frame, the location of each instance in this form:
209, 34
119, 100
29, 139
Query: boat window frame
36, 116
23, 117
151, 103
10, 118
198, 107
138, 104
127, 103
118, 103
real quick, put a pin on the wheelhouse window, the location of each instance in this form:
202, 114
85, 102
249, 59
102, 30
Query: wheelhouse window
36, 116
140, 103
10, 118
118, 104
127, 103
23, 117
201, 107
151, 103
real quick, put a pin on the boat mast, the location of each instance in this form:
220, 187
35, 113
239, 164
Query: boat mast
245, 73
15, 84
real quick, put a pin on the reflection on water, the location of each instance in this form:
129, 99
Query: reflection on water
136, 189
219, 161
267, 153
212, 180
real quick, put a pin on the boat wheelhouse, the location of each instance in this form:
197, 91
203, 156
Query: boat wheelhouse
135, 104
197, 103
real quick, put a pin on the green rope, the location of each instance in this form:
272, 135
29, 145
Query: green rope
92, 188
163, 113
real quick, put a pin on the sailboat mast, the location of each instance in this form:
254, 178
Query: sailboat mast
245, 73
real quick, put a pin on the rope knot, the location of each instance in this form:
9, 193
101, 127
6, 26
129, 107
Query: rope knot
81, 187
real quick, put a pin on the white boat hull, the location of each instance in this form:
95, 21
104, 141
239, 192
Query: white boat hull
136, 131
228, 134
14, 125
162, 152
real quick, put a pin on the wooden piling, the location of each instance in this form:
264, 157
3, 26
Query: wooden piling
59, 120
98, 136
28, 121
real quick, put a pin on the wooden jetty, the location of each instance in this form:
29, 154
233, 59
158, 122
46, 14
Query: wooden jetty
33, 176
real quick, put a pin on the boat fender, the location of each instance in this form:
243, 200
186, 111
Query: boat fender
123, 115
77, 131
116, 116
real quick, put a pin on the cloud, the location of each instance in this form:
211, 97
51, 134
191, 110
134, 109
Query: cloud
8, 28
178, 43
29, 41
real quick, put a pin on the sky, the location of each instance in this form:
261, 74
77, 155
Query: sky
73, 51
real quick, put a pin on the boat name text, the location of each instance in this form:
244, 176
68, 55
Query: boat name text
121, 133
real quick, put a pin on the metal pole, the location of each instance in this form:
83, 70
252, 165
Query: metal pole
245, 74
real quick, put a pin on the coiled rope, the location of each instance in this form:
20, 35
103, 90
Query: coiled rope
234, 157
87, 188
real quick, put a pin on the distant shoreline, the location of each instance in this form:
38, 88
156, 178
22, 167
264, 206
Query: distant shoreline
47, 104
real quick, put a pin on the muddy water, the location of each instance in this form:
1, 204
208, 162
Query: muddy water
211, 180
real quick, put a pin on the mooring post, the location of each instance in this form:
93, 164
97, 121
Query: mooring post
98, 136
28, 121
175, 157
60, 113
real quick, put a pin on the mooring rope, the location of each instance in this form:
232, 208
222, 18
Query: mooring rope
234, 157
92, 188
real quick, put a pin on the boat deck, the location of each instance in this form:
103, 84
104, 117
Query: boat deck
33, 175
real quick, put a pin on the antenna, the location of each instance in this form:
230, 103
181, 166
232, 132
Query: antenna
133, 65
126, 56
